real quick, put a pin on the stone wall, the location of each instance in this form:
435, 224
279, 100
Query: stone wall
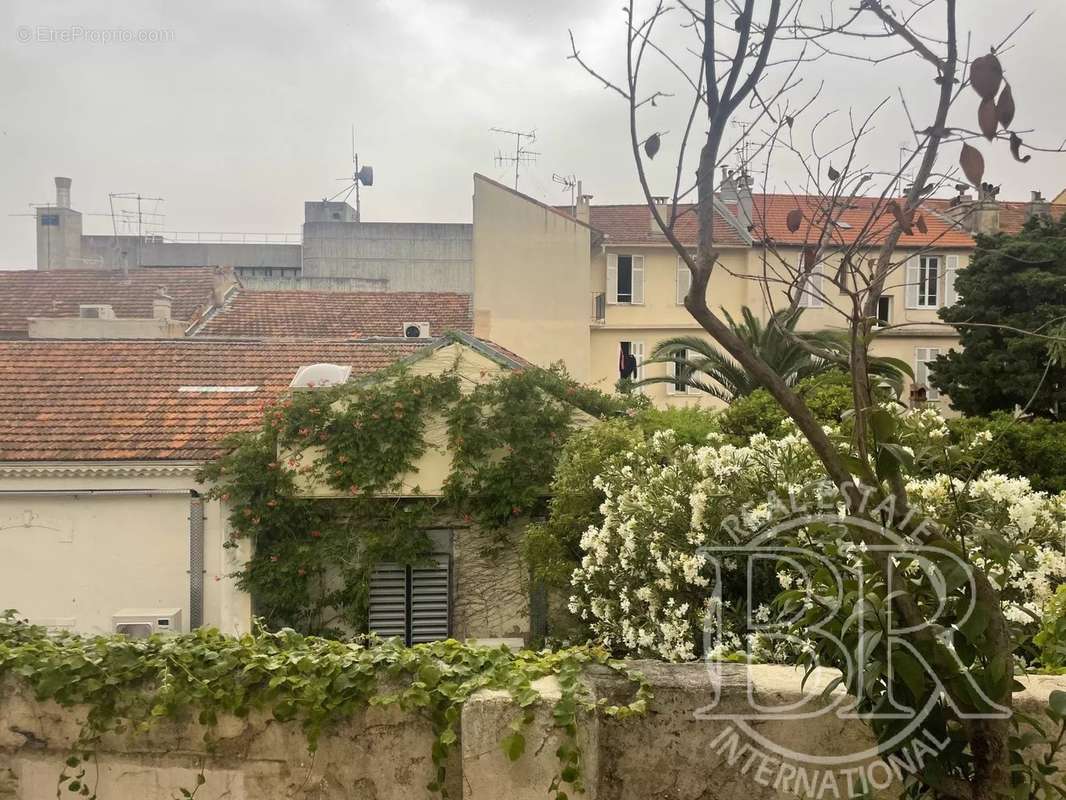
669, 753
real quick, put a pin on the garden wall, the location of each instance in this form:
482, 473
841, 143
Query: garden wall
666, 754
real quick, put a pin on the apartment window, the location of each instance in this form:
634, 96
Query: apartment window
631, 360
625, 279
684, 280
810, 288
884, 310
923, 282
923, 356
677, 370
413, 602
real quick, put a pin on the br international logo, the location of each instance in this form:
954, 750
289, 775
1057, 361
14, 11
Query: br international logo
837, 618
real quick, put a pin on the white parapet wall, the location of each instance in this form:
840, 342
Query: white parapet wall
690, 745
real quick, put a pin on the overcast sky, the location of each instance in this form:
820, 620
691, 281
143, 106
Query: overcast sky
244, 111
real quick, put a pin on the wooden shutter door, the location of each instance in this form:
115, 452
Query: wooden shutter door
638, 280
612, 278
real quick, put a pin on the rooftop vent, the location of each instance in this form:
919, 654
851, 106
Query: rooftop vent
416, 330
96, 311
319, 375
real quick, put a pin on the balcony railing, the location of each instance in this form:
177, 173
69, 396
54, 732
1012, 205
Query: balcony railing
599, 306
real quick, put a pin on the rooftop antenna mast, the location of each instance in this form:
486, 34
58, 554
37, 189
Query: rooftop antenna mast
568, 182
522, 155
360, 175
127, 218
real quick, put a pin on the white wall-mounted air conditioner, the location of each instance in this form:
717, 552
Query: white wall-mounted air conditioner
140, 623
416, 330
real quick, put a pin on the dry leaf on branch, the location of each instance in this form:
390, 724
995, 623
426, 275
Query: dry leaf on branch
920, 225
651, 145
987, 118
973, 164
793, 220
986, 74
834, 176
1016, 149
1005, 107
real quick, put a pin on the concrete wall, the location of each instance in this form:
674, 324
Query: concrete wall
75, 548
89, 328
531, 278
58, 246
669, 753
411, 256
107, 252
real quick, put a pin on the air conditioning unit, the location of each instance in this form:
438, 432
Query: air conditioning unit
416, 330
140, 623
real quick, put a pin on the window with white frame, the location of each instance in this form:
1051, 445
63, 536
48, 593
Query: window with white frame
684, 280
677, 372
931, 281
923, 356
625, 279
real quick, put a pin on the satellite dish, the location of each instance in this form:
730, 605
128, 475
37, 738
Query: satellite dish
365, 176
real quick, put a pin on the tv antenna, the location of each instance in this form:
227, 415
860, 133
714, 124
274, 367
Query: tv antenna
522, 155
360, 175
568, 182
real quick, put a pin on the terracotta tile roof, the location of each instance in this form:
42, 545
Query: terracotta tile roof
1012, 214
631, 224
64, 400
337, 315
57, 293
771, 211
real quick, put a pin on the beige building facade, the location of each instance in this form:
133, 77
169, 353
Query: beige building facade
593, 287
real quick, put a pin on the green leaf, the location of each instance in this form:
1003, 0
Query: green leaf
1057, 702
513, 745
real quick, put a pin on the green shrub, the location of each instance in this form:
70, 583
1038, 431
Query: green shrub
1051, 640
690, 423
828, 396
1035, 449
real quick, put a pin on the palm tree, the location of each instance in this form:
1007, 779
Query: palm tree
791, 354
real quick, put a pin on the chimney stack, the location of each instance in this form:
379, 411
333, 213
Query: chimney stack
583, 211
746, 202
1038, 206
663, 203
161, 305
62, 192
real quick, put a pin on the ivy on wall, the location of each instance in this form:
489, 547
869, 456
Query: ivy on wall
312, 558
128, 685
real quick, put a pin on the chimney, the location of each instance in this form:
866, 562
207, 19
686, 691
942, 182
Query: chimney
746, 204
161, 305
662, 203
222, 282
986, 211
582, 211
62, 192
728, 191
1037, 206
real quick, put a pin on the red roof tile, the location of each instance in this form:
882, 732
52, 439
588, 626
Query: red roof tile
63, 400
58, 293
338, 315
1012, 214
770, 214
631, 224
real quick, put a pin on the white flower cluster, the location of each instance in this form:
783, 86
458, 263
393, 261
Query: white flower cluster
646, 580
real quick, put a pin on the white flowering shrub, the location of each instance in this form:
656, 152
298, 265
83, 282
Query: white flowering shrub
645, 586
